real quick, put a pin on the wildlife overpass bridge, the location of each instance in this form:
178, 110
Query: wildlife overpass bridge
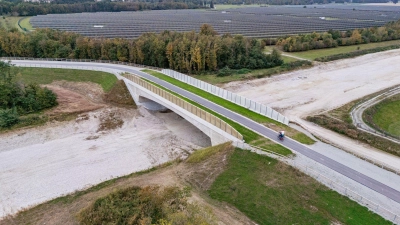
299, 148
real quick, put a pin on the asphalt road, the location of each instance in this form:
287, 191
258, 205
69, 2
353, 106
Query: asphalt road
289, 143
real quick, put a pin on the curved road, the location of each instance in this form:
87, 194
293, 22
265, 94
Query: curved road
357, 113
289, 143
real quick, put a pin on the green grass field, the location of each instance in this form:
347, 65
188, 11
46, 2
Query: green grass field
312, 54
272, 193
235, 108
25, 23
387, 116
10, 22
46, 76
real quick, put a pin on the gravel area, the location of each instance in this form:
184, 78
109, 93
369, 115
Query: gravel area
40, 164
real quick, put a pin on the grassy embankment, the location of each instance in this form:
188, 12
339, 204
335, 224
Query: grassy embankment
271, 192
339, 120
9, 22
212, 78
236, 108
26, 24
385, 116
318, 53
46, 76
264, 189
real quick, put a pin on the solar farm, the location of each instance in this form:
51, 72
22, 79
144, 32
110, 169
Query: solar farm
258, 22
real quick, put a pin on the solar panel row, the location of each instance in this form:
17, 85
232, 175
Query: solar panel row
250, 21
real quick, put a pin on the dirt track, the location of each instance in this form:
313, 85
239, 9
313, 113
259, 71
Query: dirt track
325, 87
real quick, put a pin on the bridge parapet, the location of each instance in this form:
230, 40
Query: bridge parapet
204, 115
230, 96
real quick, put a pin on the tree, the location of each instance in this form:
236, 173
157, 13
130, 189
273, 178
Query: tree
212, 4
207, 29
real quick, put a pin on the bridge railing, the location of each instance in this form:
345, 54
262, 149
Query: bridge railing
81, 60
208, 117
230, 96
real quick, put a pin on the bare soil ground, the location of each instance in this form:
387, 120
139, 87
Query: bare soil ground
325, 87
200, 175
103, 142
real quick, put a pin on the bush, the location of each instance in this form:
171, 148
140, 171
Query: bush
148, 205
8, 117
243, 71
296, 64
34, 98
226, 71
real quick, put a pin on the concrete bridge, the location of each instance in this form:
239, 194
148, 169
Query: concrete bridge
154, 98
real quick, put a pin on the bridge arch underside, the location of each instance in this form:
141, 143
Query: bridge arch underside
151, 101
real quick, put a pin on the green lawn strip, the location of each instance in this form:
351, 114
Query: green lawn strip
46, 76
25, 23
387, 116
271, 192
249, 136
10, 22
227, 104
318, 53
287, 59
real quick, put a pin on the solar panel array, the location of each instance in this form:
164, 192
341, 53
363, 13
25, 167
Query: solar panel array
259, 22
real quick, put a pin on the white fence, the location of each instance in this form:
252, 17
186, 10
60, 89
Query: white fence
237, 99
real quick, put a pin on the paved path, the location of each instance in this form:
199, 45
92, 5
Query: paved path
289, 143
357, 112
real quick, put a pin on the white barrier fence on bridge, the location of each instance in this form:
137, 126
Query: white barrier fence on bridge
237, 99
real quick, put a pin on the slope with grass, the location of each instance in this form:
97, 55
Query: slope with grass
235, 108
271, 192
9, 22
46, 76
386, 115
26, 24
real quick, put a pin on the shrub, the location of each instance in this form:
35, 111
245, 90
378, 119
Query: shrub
296, 64
243, 71
148, 205
8, 117
226, 71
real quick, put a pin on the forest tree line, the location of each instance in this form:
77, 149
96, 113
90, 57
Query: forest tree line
33, 9
334, 38
189, 52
